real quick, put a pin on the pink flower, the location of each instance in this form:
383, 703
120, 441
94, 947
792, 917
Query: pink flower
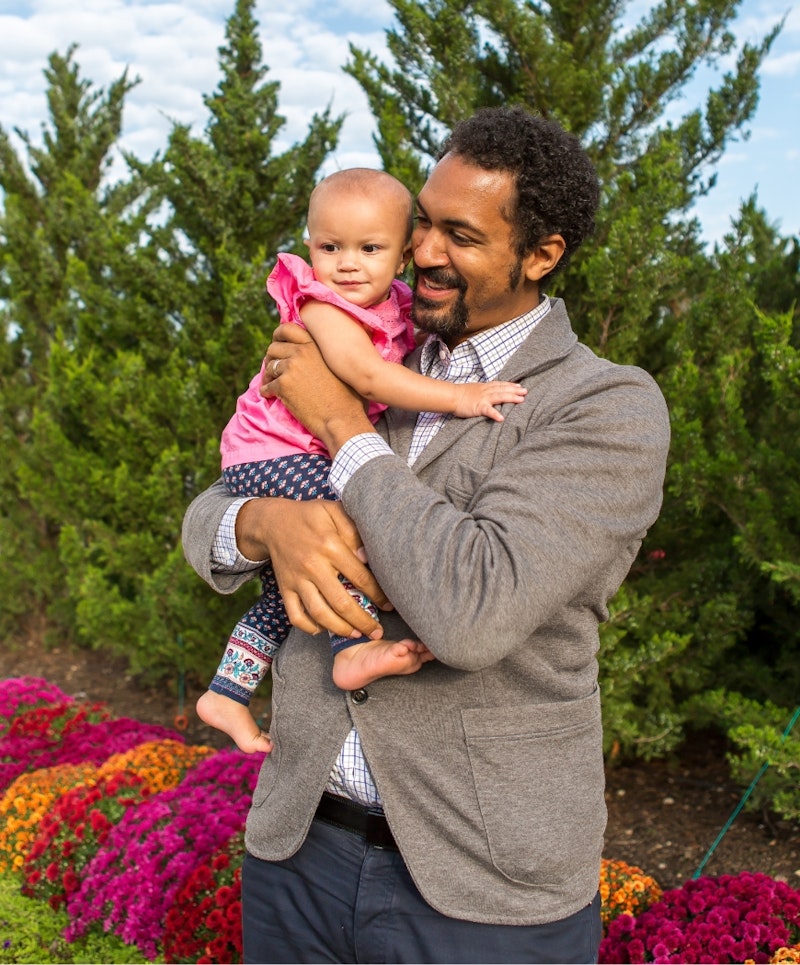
727, 919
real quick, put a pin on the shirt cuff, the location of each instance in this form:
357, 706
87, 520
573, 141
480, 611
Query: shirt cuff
225, 555
354, 454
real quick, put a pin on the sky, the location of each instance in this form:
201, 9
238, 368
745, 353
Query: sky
172, 47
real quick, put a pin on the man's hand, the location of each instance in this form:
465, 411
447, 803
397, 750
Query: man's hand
310, 544
296, 373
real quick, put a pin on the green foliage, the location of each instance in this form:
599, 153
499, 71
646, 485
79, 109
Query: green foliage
29, 935
614, 86
636, 655
134, 314
766, 747
732, 504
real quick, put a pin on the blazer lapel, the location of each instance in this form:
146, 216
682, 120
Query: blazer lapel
550, 341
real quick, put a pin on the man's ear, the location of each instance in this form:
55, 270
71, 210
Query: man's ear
544, 258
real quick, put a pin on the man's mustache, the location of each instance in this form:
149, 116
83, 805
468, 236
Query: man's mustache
441, 278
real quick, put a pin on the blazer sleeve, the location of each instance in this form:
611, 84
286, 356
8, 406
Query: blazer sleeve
200, 524
481, 558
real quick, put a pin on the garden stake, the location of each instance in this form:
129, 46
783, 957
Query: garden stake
181, 721
745, 796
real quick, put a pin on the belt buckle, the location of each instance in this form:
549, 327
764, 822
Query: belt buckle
377, 830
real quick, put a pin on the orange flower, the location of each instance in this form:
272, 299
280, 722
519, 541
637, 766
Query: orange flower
160, 764
625, 890
786, 956
27, 800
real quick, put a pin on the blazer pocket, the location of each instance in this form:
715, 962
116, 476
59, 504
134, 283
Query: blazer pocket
463, 481
539, 779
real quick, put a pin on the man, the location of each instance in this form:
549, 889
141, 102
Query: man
463, 813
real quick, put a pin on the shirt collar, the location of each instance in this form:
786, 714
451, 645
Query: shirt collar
489, 350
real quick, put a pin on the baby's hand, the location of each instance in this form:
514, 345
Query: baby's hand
480, 398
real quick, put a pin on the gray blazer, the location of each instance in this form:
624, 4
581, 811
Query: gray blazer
499, 549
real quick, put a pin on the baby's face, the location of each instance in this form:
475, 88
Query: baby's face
357, 247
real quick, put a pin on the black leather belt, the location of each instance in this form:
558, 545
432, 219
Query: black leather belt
370, 825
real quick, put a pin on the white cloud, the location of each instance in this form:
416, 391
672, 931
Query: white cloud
783, 65
172, 45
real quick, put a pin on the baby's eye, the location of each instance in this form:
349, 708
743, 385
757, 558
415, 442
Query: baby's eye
371, 249
329, 248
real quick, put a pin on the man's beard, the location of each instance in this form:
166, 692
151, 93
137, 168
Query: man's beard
429, 316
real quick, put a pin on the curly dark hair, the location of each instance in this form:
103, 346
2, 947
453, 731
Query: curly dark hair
557, 186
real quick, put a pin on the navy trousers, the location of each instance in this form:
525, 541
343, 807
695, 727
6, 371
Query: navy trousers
341, 900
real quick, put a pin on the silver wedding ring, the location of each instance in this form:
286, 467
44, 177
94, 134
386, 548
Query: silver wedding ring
275, 369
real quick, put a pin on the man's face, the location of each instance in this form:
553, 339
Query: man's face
468, 276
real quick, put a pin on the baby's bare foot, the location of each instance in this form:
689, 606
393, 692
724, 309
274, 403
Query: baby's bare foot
362, 663
235, 720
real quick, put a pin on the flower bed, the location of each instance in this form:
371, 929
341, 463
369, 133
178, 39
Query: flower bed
108, 819
625, 890
132, 832
733, 918
129, 885
80, 821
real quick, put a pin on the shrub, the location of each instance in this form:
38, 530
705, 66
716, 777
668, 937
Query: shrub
31, 933
27, 801
80, 821
133, 879
26, 693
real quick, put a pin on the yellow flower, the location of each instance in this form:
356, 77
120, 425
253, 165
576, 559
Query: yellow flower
786, 956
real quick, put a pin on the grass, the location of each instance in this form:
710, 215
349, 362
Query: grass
30, 931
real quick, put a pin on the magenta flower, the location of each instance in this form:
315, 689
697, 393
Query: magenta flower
26, 693
727, 919
131, 883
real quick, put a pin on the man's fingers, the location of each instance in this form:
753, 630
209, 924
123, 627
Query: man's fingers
310, 611
312, 543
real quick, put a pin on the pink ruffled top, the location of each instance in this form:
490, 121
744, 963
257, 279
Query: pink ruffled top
264, 428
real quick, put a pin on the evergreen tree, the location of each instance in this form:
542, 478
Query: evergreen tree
59, 230
135, 313
235, 204
610, 84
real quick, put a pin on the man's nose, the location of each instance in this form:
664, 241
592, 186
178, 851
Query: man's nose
429, 249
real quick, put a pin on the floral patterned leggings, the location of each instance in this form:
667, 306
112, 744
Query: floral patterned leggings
259, 634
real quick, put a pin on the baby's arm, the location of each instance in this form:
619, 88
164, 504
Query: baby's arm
350, 355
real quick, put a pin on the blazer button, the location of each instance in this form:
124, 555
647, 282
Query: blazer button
359, 696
